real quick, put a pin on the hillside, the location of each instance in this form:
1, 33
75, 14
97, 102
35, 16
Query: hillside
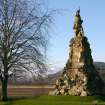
52, 76
100, 66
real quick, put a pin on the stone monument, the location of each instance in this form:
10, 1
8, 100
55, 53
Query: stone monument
79, 77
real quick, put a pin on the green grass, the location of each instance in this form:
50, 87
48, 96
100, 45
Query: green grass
56, 100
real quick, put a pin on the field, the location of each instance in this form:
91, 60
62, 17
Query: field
56, 100
28, 91
37, 95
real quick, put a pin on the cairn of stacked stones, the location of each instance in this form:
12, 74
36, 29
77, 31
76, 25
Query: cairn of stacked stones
79, 77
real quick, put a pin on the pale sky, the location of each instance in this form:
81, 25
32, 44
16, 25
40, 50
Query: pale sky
93, 15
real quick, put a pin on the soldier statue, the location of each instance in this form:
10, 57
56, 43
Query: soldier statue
78, 29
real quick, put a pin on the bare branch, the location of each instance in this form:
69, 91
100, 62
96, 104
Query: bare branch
23, 35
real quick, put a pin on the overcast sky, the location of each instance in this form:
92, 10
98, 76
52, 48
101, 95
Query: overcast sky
93, 15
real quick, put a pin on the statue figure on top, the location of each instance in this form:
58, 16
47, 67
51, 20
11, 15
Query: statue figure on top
78, 29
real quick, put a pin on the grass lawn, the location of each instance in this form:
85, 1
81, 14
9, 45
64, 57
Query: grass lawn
57, 100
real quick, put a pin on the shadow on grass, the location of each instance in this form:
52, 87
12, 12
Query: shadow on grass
8, 103
11, 100
22, 98
100, 98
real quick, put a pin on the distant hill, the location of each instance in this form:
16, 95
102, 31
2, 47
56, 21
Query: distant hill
100, 65
52, 76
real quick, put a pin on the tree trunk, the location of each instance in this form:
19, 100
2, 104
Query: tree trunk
4, 90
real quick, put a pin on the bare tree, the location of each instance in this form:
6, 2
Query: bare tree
23, 37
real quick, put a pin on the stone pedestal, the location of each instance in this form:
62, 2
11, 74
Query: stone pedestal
79, 77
